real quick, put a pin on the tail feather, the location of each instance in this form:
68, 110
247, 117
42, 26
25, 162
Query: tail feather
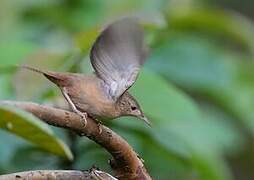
57, 78
33, 69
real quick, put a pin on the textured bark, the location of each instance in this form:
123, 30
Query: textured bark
57, 175
125, 163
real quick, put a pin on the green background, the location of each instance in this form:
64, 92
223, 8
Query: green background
197, 86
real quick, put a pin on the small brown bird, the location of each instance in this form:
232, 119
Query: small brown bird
116, 56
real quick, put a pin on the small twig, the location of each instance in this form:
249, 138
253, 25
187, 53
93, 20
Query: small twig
58, 174
125, 162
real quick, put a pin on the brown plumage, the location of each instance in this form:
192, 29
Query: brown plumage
116, 56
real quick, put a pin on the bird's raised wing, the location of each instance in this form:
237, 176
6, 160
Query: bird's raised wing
118, 54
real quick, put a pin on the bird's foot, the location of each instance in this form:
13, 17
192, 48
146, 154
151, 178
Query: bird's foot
83, 116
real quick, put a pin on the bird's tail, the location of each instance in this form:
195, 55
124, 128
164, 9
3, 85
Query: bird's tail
33, 69
55, 77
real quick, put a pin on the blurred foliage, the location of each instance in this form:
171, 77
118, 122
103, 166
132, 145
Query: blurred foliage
197, 86
25, 125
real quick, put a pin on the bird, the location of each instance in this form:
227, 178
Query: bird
117, 56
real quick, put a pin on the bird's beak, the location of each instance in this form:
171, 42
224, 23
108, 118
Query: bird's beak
144, 118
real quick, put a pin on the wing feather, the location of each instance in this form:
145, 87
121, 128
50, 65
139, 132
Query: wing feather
117, 55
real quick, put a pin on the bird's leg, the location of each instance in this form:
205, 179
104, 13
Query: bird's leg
73, 107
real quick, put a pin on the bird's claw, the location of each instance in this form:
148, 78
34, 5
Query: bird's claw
83, 116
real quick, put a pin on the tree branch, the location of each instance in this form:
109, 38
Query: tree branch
125, 163
58, 174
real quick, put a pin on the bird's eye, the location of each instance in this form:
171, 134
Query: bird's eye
133, 108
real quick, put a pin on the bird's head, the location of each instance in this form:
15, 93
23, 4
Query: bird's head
128, 106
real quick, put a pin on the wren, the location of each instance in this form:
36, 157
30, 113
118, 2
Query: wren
116, 56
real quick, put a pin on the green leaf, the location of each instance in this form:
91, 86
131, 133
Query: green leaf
27, 126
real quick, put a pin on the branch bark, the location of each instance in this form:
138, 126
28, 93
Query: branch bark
58, 174
125, 163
